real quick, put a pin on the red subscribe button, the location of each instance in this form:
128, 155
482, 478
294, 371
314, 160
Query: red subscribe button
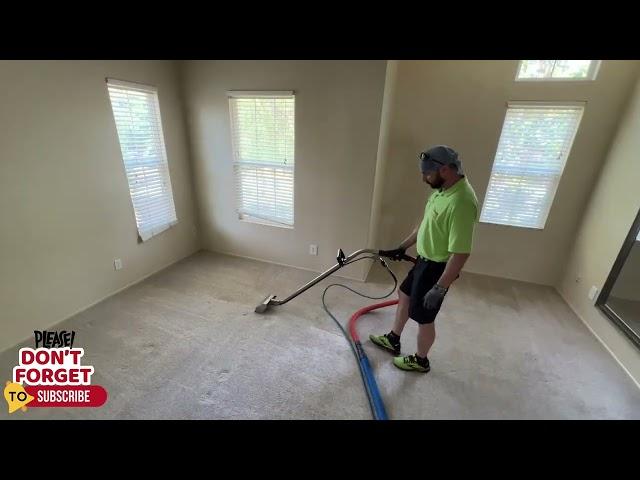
67, 396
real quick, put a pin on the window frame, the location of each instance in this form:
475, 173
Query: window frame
145, 234
592, 74
252, 94
533, 105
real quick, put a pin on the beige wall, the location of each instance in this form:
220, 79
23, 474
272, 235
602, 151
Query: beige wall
607, 220
64, 200
627, 285
338, 105
383, 151
463, 103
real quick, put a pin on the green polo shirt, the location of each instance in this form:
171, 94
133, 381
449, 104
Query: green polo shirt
449, 219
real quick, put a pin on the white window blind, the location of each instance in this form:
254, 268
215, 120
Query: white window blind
137, 115
558, 69
534, 145
263, 137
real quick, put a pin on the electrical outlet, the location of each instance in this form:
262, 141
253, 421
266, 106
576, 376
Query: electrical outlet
313, 249
117, 263
593, 292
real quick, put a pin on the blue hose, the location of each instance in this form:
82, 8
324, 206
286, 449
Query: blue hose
379, 412
366, 372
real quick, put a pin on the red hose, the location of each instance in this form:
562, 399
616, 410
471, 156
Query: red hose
362, 311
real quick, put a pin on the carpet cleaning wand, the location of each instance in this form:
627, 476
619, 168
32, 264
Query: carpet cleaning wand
371, 387
342, 260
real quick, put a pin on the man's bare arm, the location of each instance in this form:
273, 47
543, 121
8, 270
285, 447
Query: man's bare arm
453, 268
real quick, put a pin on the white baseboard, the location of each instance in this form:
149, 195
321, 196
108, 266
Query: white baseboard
507, 277
637, 383
281, 264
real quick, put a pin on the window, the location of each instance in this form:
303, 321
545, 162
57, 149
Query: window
534, 145
558, 69
137, 114
262, 128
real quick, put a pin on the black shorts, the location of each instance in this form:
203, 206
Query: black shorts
420, 279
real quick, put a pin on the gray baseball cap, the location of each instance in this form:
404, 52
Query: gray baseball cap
437, 156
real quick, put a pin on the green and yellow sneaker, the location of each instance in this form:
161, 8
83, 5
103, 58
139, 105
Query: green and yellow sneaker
412, 363
387, 342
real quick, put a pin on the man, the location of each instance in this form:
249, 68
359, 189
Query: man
444, 239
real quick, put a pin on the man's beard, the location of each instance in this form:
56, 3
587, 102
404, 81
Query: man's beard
436, 183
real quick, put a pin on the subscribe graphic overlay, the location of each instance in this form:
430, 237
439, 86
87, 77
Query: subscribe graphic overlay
52, 375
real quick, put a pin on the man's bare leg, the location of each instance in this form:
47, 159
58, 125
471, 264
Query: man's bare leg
402, 313
426, 337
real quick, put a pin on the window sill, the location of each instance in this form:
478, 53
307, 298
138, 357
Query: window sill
559, 80
511, 226
260, 221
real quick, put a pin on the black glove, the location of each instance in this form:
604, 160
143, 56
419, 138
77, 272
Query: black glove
396, 254
434, 297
